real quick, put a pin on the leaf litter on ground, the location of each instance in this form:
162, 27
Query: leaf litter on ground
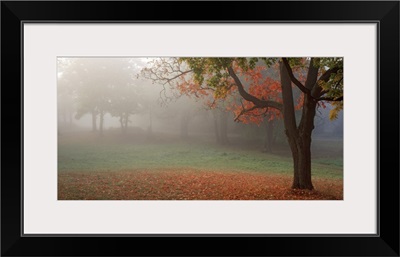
190, 184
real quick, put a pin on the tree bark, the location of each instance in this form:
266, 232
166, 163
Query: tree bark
305, 128
299, 138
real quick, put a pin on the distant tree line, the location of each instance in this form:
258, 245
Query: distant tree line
98, 86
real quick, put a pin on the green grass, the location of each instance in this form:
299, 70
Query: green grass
107, 155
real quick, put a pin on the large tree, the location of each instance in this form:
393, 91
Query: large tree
323, 82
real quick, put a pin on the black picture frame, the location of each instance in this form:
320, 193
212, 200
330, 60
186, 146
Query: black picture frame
385, 14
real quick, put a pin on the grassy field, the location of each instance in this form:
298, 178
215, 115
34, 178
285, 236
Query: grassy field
121, 159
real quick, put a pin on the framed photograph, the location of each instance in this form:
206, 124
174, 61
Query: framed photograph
203, 128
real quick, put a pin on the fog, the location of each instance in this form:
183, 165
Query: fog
113, 96
199, 128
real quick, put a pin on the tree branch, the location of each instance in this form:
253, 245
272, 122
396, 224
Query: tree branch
244, 111
256, 101
294, 79
317, 90
312, 74
332, 99
177, 76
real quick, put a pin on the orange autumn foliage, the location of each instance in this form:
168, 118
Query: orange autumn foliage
261, 82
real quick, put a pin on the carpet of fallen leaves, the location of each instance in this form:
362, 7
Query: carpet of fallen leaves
190, 184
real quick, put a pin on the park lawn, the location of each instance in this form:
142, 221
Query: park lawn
109, 169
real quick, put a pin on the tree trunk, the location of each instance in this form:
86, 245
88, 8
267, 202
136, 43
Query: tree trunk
299, 138
301, 153
94, 121
224, 128
269, 136
305, 130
